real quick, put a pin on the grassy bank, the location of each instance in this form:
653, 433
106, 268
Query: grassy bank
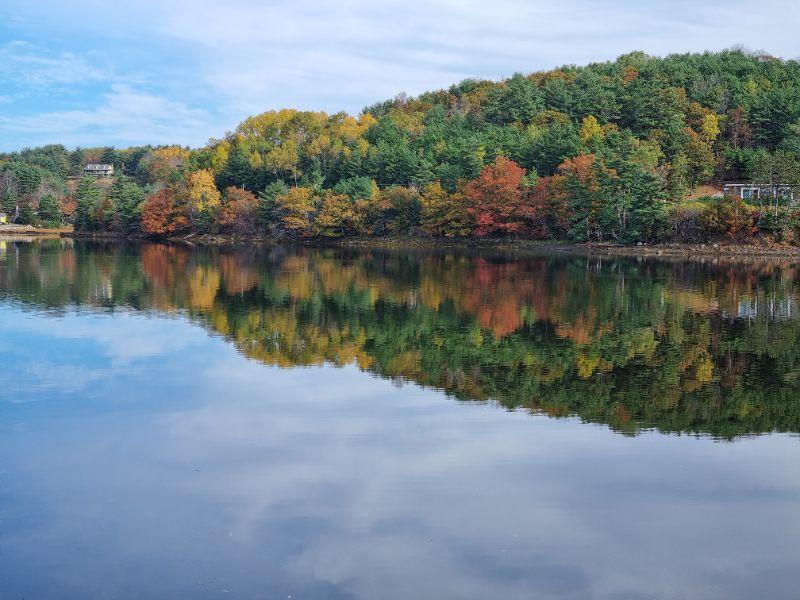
12, 230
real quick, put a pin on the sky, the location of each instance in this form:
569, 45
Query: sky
123, 73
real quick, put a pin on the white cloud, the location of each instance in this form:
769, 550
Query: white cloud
123, 115
33, 68
240, 57
349, 54
126, 342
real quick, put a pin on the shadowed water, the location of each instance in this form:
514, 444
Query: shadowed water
318, 423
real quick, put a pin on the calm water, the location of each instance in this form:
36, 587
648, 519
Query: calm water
276, 423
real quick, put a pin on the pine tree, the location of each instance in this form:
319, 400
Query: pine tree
49, 212
268, 210
9, 202
87, 196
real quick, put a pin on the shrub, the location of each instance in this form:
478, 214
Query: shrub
793, 227
684, 222
729, 216
775, 223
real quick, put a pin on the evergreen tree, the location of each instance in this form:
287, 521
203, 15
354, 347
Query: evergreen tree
9, 202
128, 199
49, 212
268, 209
27, 216
87, 196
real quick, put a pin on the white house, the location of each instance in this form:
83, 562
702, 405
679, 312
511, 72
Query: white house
754, 191
99, 170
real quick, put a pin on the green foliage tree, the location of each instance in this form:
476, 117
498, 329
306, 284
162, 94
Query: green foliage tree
49, 212
268, 212
87, 197
9, 202
128, 200
27, 216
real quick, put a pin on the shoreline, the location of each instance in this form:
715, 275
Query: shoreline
652, 250
712, 250
16, 230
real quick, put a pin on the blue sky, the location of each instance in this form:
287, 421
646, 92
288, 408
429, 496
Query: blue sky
89, 73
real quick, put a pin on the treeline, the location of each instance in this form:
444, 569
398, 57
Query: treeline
683, 347
611, 151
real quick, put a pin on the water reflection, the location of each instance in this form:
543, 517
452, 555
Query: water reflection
142, 458
679, 346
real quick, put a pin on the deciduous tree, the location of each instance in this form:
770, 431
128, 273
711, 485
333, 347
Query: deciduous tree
239, 212
444, 214
496, 199
297, 207
162, 214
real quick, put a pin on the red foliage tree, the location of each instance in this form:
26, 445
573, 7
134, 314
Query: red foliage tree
546, 206
239, 212
67, 205
497, 199
582, 167
161, 214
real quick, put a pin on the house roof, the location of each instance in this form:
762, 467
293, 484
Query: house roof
97, 167
754, 184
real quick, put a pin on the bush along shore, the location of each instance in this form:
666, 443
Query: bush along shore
624, 152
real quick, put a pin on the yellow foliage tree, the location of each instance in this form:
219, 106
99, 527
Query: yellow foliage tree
297, 208
336, 216
444, 214
591, 129
709, 128
203, 192
219, 155
704, 121
284, 158
699, 156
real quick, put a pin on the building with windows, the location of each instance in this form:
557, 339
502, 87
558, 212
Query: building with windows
752, 192
98, 170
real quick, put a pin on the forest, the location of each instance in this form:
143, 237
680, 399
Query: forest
626, 151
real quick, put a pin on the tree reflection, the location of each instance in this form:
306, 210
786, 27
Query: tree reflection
679, 346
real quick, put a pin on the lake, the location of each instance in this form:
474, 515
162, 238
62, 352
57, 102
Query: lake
180, 422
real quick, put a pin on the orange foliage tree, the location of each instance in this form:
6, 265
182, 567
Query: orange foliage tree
239, 212
68, 205
163, 214
548, 210
497, 199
